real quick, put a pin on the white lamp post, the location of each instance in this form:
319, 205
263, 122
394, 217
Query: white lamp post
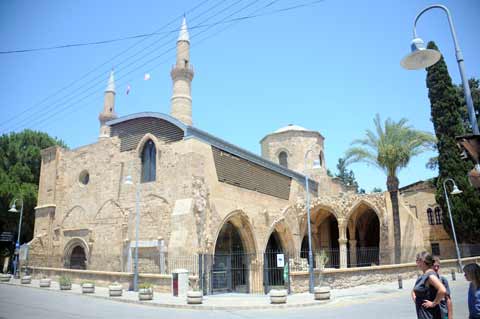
310, 255
455, 191
128, 181
13, 209
421, 58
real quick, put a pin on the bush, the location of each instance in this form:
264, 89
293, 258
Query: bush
145, 285
64, 280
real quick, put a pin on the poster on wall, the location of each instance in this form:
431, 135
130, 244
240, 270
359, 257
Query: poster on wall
280, 260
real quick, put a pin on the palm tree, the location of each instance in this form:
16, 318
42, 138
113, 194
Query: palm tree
390, 148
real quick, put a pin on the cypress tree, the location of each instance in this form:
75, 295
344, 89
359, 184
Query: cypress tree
446, 112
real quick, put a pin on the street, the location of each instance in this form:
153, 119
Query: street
24, 302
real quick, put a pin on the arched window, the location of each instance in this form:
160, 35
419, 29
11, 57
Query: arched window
430, 216
283, 159
438, 216
320, 159
149, 162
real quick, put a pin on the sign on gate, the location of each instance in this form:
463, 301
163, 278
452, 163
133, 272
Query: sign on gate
285, 273
280, 260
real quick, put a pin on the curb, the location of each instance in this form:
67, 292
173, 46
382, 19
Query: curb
178, 306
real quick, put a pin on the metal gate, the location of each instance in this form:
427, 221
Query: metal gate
238, 272
230, 273
276, 272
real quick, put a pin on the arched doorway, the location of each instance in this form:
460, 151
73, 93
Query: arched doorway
274, 262
230, 271
367, 235
363, 235
325, 237
78, 258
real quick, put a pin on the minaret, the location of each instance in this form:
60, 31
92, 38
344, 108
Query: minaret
108, 108
182, 75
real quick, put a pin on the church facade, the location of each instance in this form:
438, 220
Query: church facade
196, 194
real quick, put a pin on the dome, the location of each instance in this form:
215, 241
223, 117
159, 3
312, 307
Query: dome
290, 127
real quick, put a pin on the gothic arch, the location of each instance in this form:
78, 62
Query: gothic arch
366, 236
155, 217
284, 233
118, 208
77, 216
362, 201
144, 140
70, 246
316, 215
152, 196
240, 220
326, 233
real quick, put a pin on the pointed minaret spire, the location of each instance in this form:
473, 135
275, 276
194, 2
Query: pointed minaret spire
111, 83
182, 75
108, 112
183, 35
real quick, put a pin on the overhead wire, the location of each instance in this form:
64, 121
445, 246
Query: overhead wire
108, 61
100, 81
207, 27
108, 41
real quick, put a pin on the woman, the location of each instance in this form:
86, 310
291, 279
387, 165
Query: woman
428, 291
472, 274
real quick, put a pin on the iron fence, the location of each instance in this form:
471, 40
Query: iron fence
244, 272
469, 250
154, 261
240, 272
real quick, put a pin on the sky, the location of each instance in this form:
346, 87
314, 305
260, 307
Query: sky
328, 66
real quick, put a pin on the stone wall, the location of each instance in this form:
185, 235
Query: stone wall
161, 283
419, 197
351, 277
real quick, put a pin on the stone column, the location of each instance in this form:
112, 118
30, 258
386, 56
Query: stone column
343, 252
353, 252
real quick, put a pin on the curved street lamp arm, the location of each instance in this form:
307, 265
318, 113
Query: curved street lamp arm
450, 22
20, 199
460, 61
448, 180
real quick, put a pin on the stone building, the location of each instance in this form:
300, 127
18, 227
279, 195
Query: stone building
419, 197
197, 194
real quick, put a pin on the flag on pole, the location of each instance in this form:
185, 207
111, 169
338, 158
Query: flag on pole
128, 89
146, 77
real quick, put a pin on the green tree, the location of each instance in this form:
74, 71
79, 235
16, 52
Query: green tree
329, 173
475, 90
20, 162
376, 190
390, 148
448, 120
346, 177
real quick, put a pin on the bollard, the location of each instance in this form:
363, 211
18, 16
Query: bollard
400, 282
454, 276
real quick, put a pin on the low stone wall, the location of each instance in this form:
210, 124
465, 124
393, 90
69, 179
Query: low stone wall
356, 276
160, 282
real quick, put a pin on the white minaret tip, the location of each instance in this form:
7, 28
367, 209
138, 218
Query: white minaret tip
183, 35
111, 83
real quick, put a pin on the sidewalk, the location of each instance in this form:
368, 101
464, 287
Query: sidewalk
237, 301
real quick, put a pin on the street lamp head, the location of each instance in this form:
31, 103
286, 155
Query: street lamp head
128, 180
420, 58
13, 209
455, 190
